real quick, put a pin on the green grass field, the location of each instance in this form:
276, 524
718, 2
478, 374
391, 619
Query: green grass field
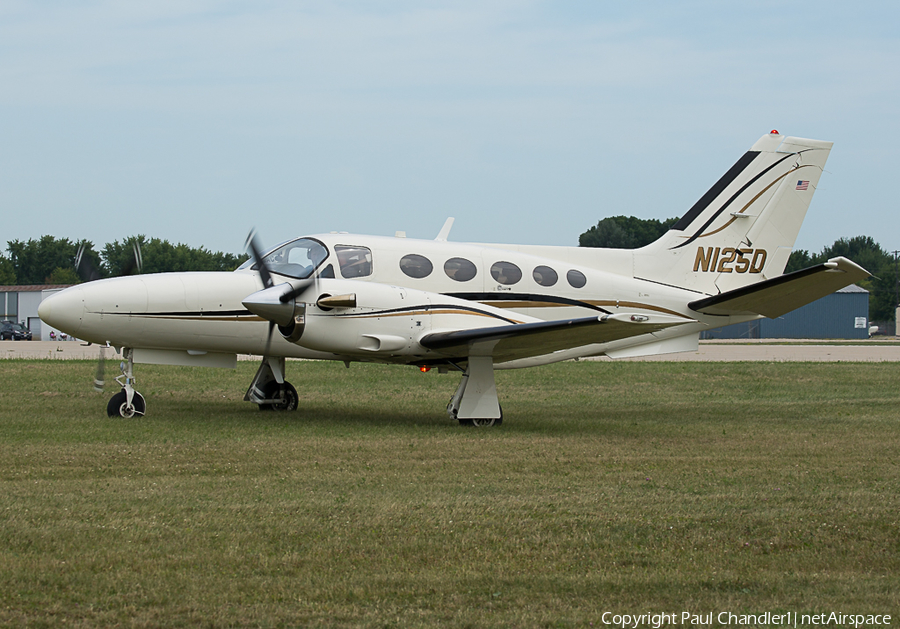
625, 487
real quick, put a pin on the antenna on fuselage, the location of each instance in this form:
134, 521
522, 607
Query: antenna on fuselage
445, 230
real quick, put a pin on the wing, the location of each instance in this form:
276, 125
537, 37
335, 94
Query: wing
777, 296
524, 340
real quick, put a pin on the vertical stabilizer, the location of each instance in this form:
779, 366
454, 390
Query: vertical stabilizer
743, 229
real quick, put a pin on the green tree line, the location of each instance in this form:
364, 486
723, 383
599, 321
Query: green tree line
625, 232
882, 285
629, 232
51, 260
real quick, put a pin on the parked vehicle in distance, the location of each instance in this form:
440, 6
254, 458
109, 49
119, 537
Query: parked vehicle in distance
14, 332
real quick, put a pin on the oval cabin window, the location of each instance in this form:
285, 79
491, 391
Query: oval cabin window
460, 269
414, 265
506, 272
576, 279
544, 275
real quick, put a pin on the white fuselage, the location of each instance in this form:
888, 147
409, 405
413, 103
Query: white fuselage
473, 307
203, 312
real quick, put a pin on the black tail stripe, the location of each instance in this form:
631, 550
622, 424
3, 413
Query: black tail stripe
716, 190
727, 203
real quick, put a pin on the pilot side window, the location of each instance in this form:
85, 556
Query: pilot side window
544, 275
354, 261
576, 279
460, 269
416, 266
296, 258
506, 272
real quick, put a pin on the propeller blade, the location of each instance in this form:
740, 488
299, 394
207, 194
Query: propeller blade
84, 267
267, 304
99, 382
137, 261
138, 258
269, 338
298, 290
253, 245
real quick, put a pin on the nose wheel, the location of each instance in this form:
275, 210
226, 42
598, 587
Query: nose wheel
120, 407
127, 402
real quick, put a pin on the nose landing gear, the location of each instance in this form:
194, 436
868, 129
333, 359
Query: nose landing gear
127, 402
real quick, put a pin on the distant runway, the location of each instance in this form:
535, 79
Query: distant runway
784, 351
769, 350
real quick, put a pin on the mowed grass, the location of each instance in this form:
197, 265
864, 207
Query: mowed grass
624, 487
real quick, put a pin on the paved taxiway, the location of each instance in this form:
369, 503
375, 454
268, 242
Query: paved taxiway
769, 350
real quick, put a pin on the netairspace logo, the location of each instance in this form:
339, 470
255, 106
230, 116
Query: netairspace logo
786, 619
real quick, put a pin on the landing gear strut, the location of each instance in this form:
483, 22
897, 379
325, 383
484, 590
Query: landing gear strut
269, 390
475, 402
127, 402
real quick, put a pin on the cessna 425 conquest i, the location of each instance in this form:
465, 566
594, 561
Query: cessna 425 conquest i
472, 308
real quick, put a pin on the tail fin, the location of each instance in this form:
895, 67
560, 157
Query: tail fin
743, 229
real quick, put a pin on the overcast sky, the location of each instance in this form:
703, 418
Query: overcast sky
527, 121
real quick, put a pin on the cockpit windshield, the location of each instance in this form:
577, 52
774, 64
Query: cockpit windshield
297, 258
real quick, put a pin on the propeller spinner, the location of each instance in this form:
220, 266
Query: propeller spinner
275, 303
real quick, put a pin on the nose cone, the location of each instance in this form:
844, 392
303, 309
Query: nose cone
63, 310
267, 304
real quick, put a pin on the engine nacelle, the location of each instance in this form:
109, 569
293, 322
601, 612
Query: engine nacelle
355, 318
373, 319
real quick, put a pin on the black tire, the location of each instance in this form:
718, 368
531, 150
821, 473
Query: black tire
291, 399
117, 405
482, 423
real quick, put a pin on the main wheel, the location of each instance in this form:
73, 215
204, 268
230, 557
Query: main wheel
482, 423
118, 405
290, 402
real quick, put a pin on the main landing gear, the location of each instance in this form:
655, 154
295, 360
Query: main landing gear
127, 402
269, 390
475, 402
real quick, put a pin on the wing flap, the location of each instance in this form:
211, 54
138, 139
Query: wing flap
524, 340
777, 296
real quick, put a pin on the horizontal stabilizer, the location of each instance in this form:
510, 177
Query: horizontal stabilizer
523, 340
777, 296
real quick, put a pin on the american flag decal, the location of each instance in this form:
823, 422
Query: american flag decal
802, 185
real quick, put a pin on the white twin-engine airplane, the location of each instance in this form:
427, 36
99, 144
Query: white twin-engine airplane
470, 307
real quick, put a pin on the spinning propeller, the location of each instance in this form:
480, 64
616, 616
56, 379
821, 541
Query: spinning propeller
88, 272
99, 381
276, 303
84, 266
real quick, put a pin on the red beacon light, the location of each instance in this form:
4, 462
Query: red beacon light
774, 132
424, 369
